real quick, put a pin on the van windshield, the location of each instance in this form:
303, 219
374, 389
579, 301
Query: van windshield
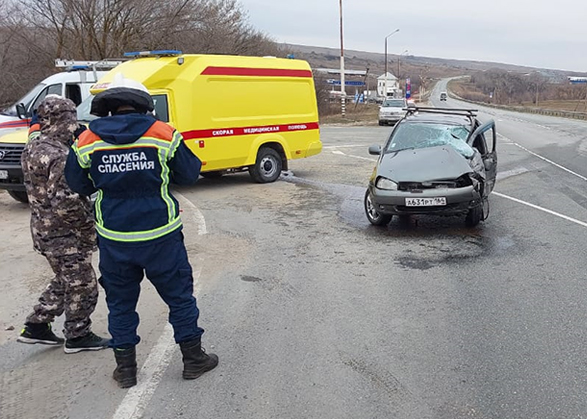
26, 100
422, 135
83, 110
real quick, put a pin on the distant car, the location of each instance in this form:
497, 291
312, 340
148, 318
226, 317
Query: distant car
391, 111
443, 95
435, 161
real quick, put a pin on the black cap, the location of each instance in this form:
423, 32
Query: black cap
111, 99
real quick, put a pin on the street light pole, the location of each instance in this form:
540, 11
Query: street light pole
386, 71
342, 81
399, 59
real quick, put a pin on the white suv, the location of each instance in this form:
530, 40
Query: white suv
392, 110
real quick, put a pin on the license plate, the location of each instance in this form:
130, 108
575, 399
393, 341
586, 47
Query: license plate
3, 174
426, 202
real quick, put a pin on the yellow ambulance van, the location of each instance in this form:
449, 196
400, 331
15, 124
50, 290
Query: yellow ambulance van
235, 113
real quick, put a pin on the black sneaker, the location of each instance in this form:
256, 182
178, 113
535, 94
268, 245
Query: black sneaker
39, 333
89, 342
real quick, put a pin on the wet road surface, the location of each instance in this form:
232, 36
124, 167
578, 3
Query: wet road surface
317, 314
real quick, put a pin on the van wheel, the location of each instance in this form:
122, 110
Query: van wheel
20, 196
215, 174
474, 216
373, 215
268, 166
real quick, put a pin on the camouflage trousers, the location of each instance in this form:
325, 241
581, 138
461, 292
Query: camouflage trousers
74, 290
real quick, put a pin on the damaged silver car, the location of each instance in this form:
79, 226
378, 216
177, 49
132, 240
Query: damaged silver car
436, 161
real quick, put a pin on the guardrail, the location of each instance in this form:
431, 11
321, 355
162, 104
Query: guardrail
524, 109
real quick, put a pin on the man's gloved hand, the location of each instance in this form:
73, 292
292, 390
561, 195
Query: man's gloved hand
79, 130
34, 118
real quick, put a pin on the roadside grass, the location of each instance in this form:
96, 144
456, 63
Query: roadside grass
467, 90
559, 105
361, 114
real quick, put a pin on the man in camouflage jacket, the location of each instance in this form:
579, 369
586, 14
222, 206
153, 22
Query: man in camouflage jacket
63, 231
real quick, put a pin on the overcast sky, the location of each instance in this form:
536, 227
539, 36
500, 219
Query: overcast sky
537, 33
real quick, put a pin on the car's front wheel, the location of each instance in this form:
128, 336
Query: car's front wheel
373, 215
474, 216
267, 167
20, 196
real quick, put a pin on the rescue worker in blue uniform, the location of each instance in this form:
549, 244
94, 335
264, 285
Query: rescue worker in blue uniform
129, 158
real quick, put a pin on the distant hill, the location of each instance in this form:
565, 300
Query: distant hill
410, 65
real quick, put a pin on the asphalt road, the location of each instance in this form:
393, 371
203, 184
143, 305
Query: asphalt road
317, 314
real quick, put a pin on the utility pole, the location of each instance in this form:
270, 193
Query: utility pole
386, 71
342, 81
399, 59
536, 93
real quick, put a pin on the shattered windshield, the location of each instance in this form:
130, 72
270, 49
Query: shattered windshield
423, 135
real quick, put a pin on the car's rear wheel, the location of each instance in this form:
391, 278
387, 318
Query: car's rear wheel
268, 166
474, 216
20, 196
373, 215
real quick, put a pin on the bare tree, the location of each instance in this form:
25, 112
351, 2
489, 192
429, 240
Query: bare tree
35, 32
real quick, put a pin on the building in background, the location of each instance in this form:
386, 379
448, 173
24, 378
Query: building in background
392, 86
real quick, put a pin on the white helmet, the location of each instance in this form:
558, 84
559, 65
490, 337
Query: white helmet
122, 92
121, 81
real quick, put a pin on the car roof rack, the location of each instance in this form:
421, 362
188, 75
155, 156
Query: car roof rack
72, 65
154, 53
469, 113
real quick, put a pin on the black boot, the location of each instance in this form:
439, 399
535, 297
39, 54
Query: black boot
195, 360
125, 373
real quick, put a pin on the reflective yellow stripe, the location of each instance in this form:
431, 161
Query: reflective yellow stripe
177, 139
34, 135
165, 189
136, 236
98, 207
84, 163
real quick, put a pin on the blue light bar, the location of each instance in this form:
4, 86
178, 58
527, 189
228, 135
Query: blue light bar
156, 53
79, 67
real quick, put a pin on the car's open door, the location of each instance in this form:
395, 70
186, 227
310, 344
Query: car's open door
484, 139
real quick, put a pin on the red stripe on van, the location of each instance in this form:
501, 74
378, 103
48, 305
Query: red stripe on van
15, 124
230, 132
255, 72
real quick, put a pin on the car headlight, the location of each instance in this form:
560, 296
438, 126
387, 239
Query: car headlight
386, 184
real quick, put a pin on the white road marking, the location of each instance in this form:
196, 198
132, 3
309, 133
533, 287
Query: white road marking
196, 214
340, 153
556, 214
546, 160
138, 397
344, 146
511, 173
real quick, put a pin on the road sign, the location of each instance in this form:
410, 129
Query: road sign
408, 88
346, 83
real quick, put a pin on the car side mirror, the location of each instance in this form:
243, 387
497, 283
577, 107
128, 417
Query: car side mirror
21, 111
375, 150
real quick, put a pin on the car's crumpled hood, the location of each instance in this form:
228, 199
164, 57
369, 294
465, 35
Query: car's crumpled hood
428, 164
